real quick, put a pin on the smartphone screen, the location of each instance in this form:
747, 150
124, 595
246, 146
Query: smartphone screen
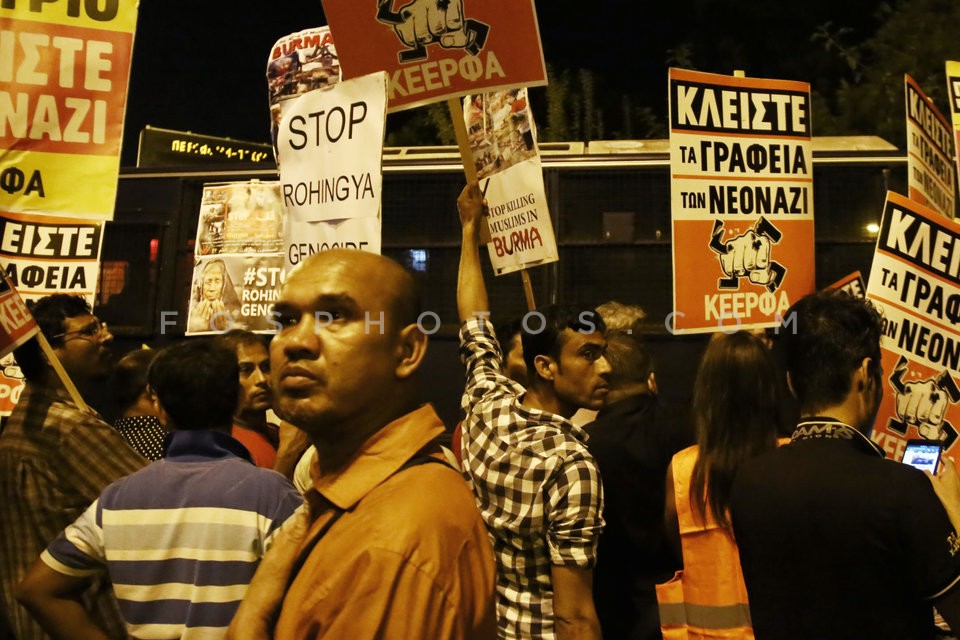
922, 455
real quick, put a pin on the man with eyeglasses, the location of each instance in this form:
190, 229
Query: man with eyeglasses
54, 458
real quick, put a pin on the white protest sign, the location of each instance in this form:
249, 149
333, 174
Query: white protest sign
503, 143
521, 234
42, 255
307, 238
330, 146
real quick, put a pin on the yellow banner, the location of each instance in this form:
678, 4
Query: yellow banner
64, 72
114, 15
953, 95
58, 183
953, 90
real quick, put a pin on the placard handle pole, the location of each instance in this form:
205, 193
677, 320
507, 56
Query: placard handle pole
61, 372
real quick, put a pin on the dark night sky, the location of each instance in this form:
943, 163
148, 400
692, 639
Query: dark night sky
199, 66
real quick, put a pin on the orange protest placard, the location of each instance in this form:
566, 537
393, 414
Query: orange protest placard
915, 282
930, 151
16, 324
741, 200
851, 284
432, 51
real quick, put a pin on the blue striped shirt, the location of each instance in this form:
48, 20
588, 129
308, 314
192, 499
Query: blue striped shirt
181, 538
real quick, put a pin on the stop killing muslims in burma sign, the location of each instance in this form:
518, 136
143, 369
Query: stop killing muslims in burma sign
432, 51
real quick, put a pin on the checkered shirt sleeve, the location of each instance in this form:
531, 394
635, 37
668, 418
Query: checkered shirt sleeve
480, 354
94, 454
574, 504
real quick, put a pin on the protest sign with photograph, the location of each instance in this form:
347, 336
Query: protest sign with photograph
64, 69
468, 47
234, 292
500, 129
300, 62
239, 261
741, 199
915, 283
504, 149
244, 217
930, 151
42, 255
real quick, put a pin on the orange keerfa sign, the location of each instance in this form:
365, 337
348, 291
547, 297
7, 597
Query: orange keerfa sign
741, 200
16, 324
433, 50
915, 283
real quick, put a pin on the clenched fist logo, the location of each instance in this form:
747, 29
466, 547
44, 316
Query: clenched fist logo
423, 22
924, 403
748, 256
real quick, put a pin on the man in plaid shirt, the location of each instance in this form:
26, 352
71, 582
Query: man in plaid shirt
56, 459
536, 484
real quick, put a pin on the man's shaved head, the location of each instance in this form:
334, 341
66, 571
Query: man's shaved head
404, 301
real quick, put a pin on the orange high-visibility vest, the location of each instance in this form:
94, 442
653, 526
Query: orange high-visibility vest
708, 598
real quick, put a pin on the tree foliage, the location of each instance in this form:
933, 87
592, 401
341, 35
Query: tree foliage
914, 37
606, 84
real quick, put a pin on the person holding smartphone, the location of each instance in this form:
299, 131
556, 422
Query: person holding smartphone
836, 541
923, 455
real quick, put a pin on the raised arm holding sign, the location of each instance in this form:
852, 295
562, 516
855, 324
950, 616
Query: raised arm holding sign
504, 422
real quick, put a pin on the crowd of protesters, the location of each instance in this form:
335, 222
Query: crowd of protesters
762, 510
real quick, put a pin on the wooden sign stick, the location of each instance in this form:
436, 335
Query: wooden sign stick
61, 372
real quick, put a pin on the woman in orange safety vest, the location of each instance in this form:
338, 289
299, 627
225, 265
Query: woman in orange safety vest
736, 411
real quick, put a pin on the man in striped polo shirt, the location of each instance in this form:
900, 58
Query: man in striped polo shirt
181, 538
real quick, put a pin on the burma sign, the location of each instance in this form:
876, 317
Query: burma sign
503, 144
